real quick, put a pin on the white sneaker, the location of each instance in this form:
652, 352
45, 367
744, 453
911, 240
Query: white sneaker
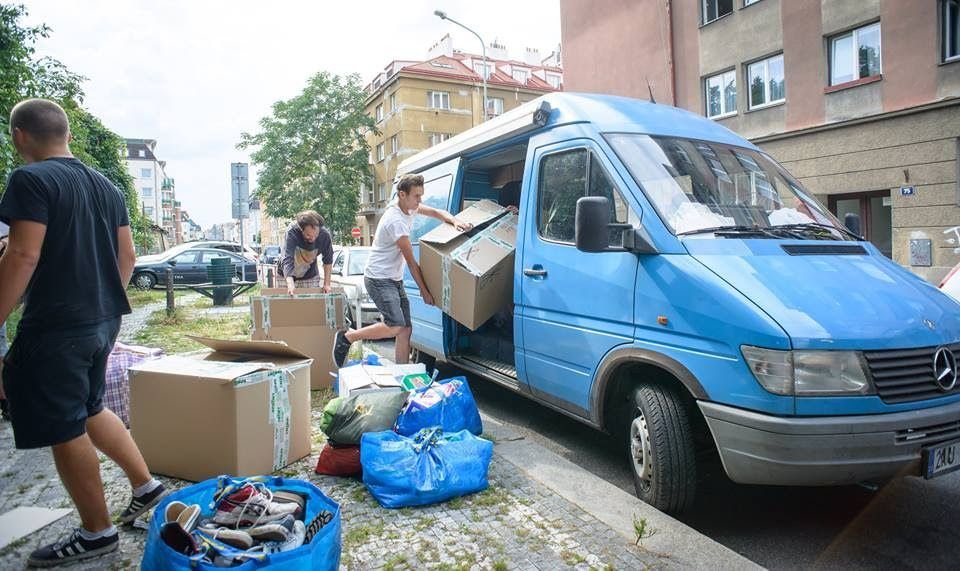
294, 541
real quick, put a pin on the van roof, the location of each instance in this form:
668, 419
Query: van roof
607, 113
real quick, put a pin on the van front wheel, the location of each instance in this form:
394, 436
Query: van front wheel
660, 449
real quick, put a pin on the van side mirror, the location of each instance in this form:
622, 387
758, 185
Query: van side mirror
592, 228
852, 222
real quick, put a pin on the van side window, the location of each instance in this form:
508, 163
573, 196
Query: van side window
566, 177
436, 193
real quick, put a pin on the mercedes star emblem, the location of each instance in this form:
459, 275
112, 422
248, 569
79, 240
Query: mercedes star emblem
945, 368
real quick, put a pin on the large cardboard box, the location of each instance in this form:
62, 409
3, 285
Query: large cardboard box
471, 275
243, 410
307, 321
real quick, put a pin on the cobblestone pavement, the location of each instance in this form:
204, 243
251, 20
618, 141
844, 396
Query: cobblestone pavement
517, 523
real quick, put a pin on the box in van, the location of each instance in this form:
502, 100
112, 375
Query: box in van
676, 286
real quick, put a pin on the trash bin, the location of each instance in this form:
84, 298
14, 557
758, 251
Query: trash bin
221, 272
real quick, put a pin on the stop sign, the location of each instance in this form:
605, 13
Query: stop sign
355, 232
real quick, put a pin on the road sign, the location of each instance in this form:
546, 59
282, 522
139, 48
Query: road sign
355, 232
240, 191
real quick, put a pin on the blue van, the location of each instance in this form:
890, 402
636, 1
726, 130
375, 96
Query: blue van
674, 284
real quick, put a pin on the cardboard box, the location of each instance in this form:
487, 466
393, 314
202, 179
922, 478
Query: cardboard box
307, 322
471, 275
362, 378
242, 410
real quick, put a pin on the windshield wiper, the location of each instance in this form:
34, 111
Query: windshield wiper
733, 231
811, 226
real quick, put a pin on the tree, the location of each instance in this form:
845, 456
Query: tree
312, 152
22, 76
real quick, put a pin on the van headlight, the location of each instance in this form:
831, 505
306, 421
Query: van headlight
808, 373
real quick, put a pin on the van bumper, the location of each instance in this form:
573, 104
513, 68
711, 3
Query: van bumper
819, 451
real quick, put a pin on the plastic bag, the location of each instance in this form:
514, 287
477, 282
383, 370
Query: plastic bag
329, 412
365, 412
341, 461
431, 467
322, 553
448, 404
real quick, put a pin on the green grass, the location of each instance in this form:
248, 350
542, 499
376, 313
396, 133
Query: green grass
169, 333
141, 297
205, 302
12, 322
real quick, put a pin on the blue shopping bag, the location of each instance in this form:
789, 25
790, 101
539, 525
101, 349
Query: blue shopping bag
431, 467
448, 404
323, 552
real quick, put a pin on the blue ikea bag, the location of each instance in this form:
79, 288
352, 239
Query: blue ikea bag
429, 468
448, 404
323, 552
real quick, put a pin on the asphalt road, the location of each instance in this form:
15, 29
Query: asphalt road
907, 524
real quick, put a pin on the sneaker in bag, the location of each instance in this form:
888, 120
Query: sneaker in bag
249, 506
233, 537
295, 540
73, 548
273, 531
340, 348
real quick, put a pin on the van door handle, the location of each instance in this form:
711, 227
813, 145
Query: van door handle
535, 272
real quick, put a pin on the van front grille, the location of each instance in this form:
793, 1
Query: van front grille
933, 434
906, 375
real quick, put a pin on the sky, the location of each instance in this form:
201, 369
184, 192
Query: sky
195, 74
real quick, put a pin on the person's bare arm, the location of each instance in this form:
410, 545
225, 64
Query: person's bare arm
126, 254
407, 250
444, 216
327, 270
19, 262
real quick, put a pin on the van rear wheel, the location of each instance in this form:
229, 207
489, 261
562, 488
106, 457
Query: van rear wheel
660, 449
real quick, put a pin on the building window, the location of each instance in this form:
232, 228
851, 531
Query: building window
394, 144
711, 10
483, 69
437, 138
721, 94
765, 79
382, 192
950, 36
494, 106
370, 195
141, 153
393, 102
148, 211
855, 54
520, 75
146, 173
147, 192
380, 153
438, 100
379, 113
554, 80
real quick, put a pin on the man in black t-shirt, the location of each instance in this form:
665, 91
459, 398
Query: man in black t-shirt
70, 256
307, 244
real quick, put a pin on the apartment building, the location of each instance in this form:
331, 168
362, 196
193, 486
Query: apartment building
859, 100
417, 104
156, 191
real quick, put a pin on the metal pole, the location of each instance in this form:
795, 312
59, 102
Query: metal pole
171, 307
483, 46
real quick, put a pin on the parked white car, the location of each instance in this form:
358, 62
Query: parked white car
951, 284
348, 264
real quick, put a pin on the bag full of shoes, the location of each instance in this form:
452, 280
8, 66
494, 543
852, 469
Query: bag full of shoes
431, 467
339, 461
365, 412
448, 404
244, 523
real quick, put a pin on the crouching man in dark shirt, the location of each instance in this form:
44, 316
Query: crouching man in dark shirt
70, 256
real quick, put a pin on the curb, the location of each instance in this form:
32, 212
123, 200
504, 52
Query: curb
682, 545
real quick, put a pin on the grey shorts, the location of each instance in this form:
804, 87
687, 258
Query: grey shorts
390, 299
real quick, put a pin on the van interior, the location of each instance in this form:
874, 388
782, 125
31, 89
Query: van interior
495, 177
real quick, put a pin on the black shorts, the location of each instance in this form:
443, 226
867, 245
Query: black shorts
54, 381
390, 299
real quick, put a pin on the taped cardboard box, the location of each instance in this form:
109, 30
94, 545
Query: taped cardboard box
307, 322
243, 409
471, 275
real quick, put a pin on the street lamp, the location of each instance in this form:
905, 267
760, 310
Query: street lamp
483, 47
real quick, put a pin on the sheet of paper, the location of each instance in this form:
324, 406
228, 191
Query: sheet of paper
22, 521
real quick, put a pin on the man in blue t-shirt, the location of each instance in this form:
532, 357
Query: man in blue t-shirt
70, 256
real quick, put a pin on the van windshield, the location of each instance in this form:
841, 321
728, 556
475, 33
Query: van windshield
701, 187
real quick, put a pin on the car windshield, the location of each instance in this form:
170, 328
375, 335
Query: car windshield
701, 187
358, 261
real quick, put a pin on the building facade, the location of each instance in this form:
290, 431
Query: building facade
417, 104
156, 192
859, 100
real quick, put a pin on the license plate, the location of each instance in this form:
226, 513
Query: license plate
941, 459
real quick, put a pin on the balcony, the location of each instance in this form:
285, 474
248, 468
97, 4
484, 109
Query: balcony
367, 209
